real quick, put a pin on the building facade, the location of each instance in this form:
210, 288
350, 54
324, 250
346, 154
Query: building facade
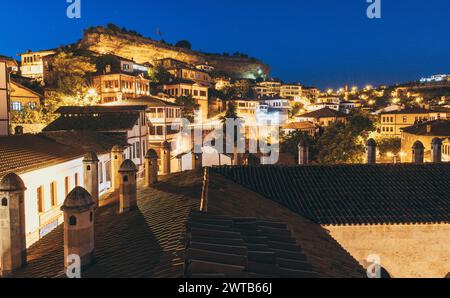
32, 64
23, 97
199, 92
116, 87
392, 122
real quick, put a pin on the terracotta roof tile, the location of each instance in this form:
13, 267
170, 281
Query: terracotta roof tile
27, 152
354, 194
148, 242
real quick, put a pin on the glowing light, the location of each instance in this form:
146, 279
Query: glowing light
390, 154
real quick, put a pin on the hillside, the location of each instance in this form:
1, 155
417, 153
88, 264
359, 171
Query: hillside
132, 46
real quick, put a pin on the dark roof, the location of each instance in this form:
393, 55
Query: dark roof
220, 246
327, 257
103, 122
20, 154
354, 194
99, 109
147, 101
440, 128
86, 140
413, 111
323, 113
147, 242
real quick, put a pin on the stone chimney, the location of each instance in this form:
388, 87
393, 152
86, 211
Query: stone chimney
165, 158
436, 150
303, 152
117, 157
90, 175
418, 152
151, 168
128, 186
18, 130
78, 211
13, 253
197, 159
371, 151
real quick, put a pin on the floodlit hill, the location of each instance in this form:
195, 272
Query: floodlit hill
131, 45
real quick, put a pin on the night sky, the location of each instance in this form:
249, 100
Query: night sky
325, 43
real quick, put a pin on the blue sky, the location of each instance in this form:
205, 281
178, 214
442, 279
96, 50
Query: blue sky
326, 43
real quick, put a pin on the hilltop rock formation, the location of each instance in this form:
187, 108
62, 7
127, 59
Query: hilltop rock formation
132, 46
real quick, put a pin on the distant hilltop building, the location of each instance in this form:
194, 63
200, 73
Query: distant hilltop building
436, 78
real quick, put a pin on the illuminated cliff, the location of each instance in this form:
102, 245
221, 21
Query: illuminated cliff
140, 49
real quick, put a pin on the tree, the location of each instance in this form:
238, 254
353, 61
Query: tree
295, 110
387, 144
70, 80
70, 73
240, 89
185, 44
345, 142
159, 75
231, 113
188, 106
289, 144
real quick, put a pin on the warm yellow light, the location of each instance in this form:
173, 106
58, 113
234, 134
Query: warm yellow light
92, 92
402, 154
390, 154
395, 100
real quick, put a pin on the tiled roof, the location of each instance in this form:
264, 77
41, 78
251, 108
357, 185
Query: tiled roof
219, 246
412, 111
86, 140
102, 122
20, 154
440, 128
148, 242
327, 257
354, 194
299, 125
99, 109
323, 113
148, 101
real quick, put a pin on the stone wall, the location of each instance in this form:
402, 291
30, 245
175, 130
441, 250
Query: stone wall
405, 250
28, 128
142, 50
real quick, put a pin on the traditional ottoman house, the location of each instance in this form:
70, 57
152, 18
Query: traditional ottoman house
51, 165
127, 123
425, 133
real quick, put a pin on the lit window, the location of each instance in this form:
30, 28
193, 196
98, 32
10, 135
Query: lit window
16, 106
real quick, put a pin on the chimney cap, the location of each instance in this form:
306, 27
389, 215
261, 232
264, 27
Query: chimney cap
12, 182
90, 157
118, 148
78, 200
151, 154
371, 143
436, 141
128, 166
418, 145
